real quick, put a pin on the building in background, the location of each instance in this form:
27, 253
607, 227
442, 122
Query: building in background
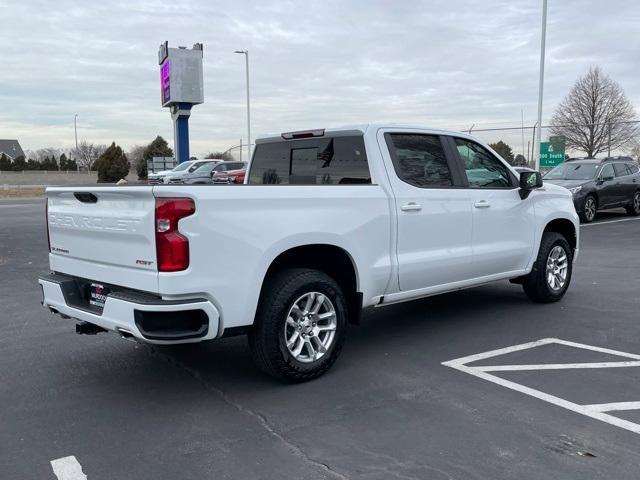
11, 148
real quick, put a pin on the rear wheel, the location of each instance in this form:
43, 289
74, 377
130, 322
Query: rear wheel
551, 273
300, 325
634, 207
589, 209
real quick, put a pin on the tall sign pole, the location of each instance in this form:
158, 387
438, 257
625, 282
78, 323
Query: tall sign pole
543, 37
181, 87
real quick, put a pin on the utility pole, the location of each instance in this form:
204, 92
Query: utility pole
609, 146
543, 37
240, 149
246, 59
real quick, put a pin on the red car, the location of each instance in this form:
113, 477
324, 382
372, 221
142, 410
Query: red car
231, 176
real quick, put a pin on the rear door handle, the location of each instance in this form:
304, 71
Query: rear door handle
411, 207
482, 204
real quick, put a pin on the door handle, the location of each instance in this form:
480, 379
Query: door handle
411, 207
482, 204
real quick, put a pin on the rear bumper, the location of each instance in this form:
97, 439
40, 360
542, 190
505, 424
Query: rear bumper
143, 317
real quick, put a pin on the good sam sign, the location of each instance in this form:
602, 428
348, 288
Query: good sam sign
180, 75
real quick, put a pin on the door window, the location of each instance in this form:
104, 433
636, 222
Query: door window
483, 169
607, 172
419, 160
620, 169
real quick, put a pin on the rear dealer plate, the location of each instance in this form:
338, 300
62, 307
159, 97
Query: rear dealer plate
97, 295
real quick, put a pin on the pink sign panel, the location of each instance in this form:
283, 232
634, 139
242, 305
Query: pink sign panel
165, 81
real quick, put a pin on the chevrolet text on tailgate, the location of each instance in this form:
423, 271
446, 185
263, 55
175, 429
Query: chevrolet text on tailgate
327, 223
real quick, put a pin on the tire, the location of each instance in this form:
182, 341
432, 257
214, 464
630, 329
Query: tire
589, 209
538, 284
272, 328
633, 208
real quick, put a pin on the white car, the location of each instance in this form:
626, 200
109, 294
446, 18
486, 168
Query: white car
329, 222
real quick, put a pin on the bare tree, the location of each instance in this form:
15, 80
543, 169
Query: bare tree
87, 153
596, 115
634, 151
43, 153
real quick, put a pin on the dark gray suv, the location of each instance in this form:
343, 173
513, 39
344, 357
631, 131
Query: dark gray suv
599, 184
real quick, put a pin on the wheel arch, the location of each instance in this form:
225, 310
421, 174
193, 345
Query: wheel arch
564, 227
331, 259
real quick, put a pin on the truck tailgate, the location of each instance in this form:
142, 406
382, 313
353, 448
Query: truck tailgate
104, 233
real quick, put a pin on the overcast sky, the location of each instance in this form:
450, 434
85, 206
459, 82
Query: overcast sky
449, 63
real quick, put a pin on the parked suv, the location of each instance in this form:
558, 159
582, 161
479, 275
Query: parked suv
599, 184
230, 172
227, 170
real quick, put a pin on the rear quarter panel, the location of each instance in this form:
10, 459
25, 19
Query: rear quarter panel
238, 230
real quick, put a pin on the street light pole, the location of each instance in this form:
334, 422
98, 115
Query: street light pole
543, 38
246, 58
75, 128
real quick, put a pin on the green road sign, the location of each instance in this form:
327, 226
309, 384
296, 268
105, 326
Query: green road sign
552, 153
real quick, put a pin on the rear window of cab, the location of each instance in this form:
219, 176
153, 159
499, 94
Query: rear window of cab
317, 161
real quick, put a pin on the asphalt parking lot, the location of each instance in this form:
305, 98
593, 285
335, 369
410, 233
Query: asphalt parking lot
473, 385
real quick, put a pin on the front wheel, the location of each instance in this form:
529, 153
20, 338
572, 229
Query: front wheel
589, 209
300, 325
551, 273
634, 207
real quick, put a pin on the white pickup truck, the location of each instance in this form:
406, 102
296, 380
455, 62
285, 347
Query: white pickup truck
328, 222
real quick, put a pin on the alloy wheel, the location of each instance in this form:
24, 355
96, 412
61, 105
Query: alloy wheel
590, 209
310, 327
557, 268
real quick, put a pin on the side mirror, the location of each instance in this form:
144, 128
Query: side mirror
529, 181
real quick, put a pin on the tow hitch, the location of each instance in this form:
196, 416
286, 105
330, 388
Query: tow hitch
86, 328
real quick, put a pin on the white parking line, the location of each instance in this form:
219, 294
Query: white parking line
557, 366
609, 221
611, 407
592, 411
68, 468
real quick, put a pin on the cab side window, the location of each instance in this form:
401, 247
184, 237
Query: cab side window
483, 169
419, 160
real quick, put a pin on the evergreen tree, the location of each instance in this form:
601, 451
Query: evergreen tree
19, 164
112, 165
158, 148
63, 162
5, 163
503, 150
32, 164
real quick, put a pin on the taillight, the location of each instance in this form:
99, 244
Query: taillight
46, 222
172, 248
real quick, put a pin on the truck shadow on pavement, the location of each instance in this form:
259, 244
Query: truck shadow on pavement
426, 323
